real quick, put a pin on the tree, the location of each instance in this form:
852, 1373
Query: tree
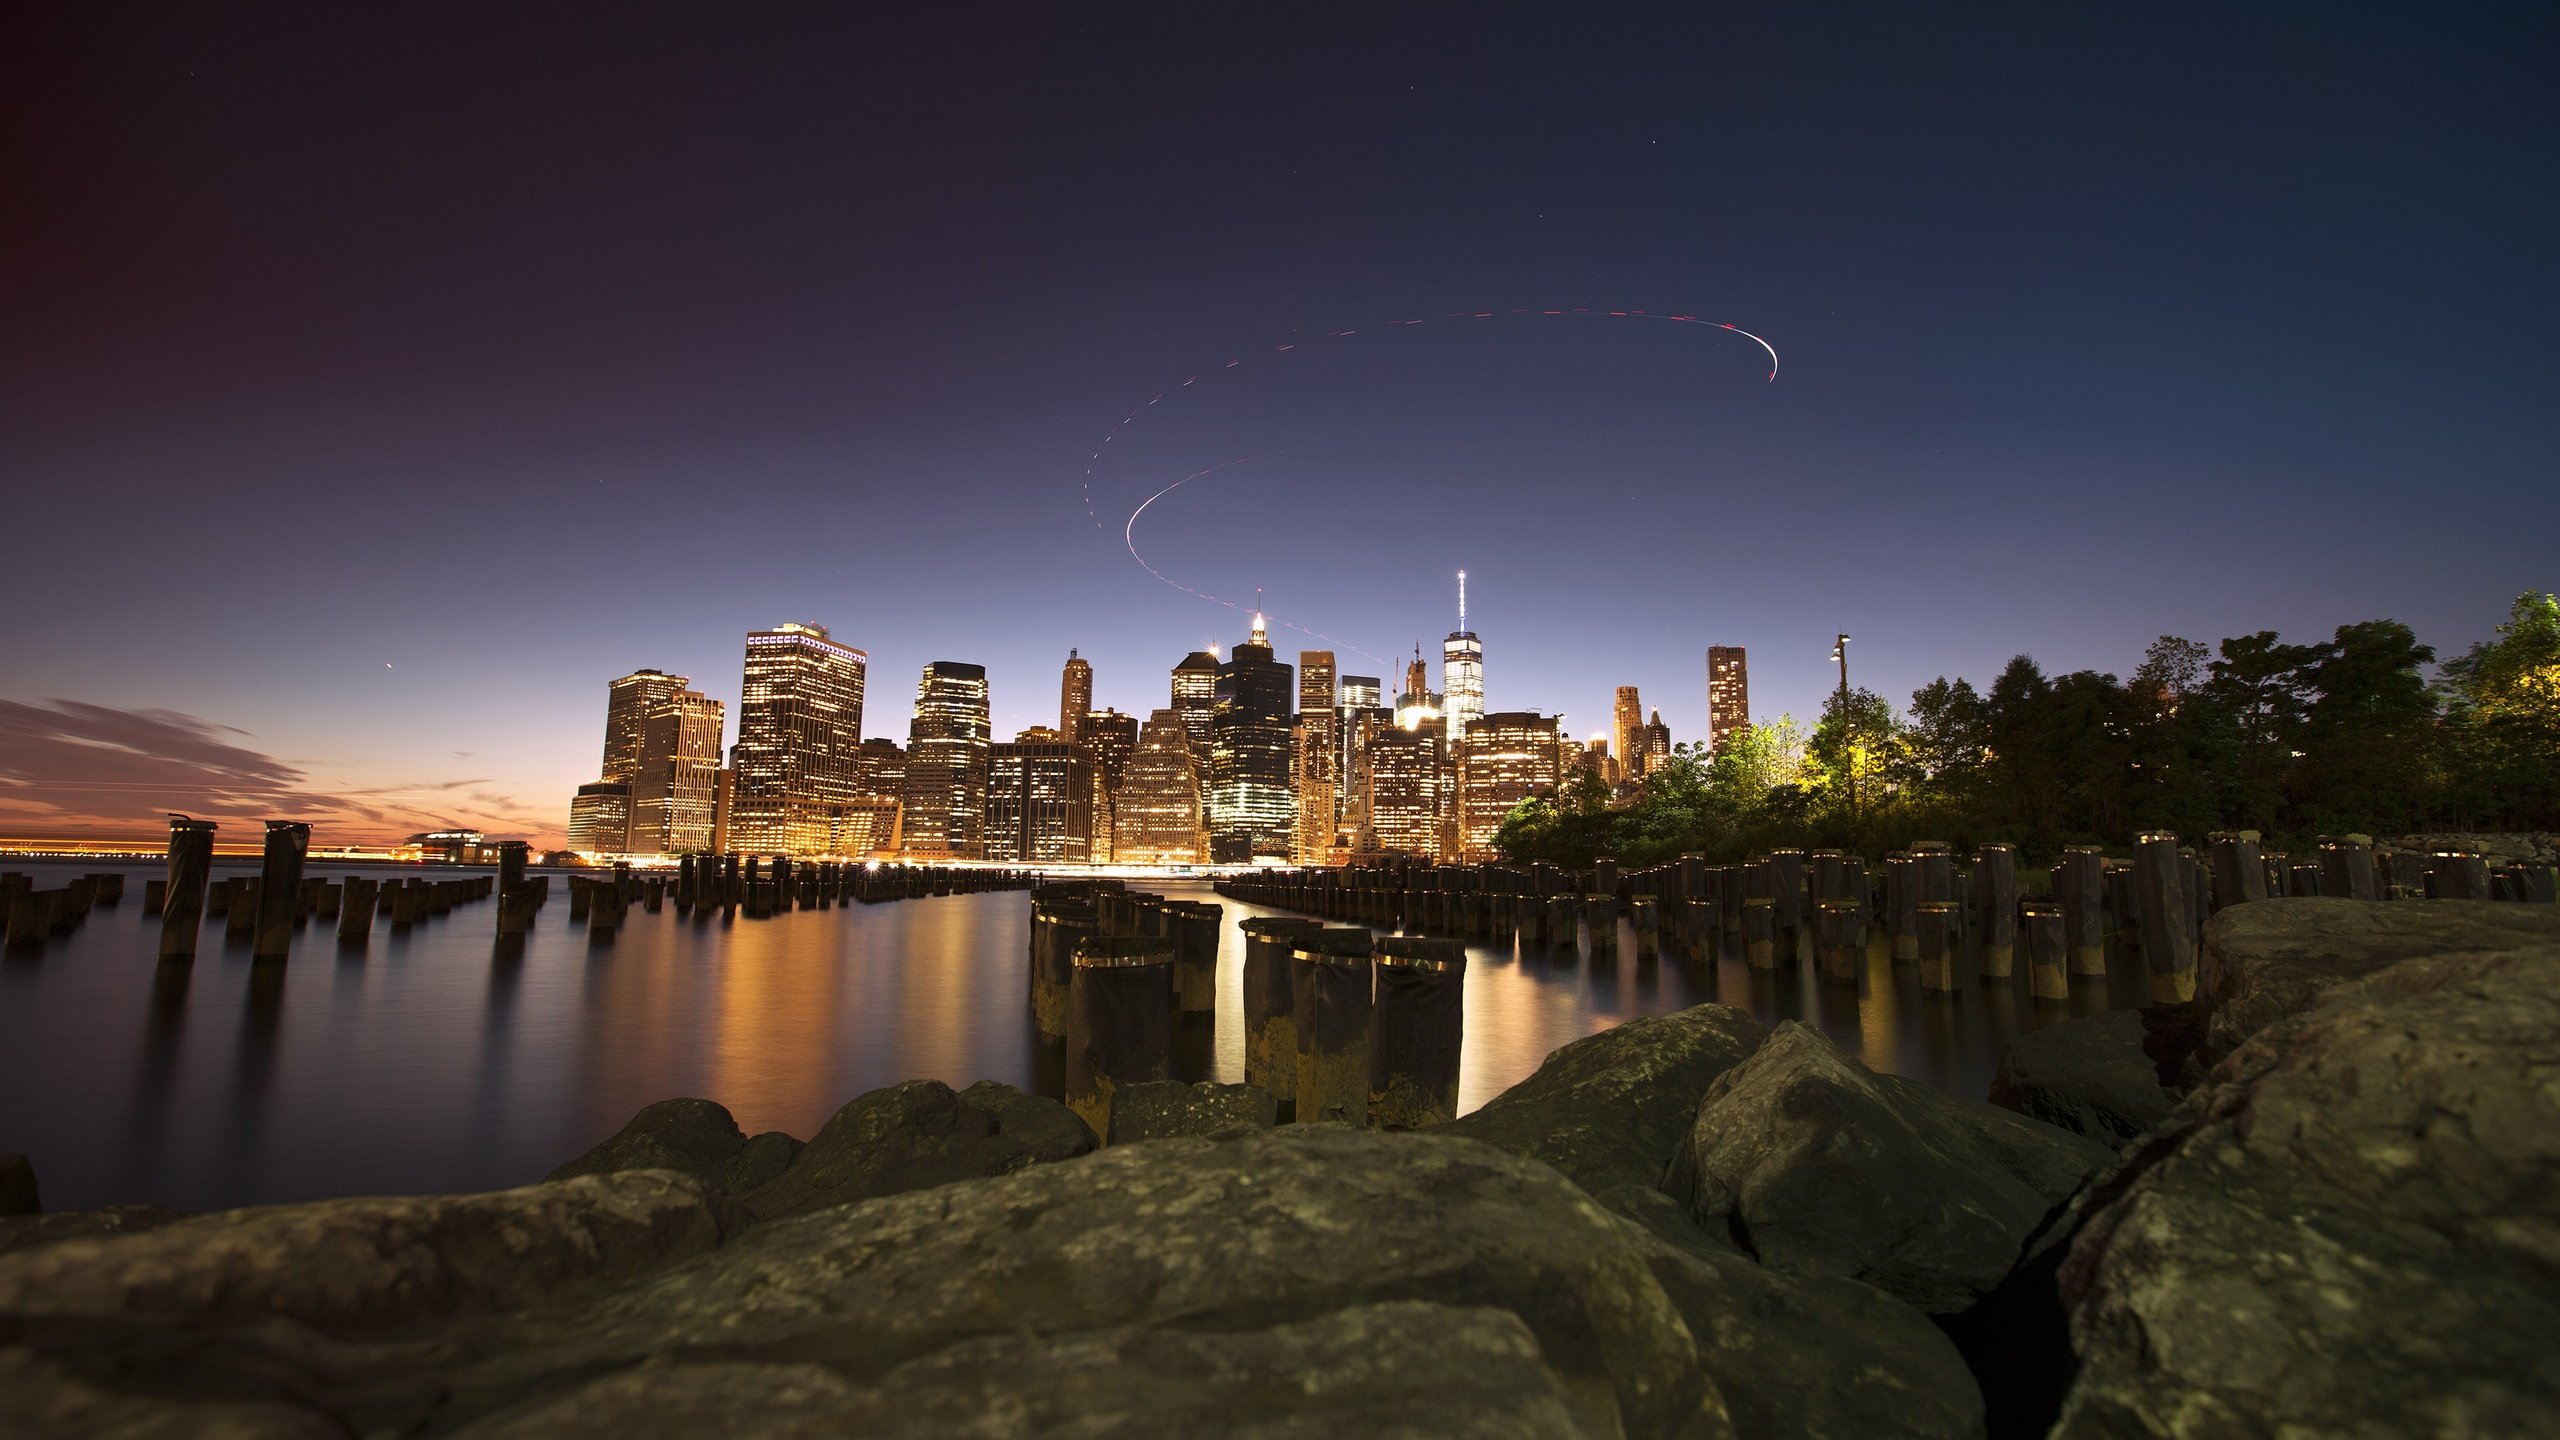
2504, 698
1867, 748
2263, 685
2368, 735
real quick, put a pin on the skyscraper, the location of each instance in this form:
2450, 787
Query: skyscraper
1039, 804
1462, 672
947, 762
799, 735
1507, 757
1251, 808
1075, 697
1111, 736
627, 704
600, 818
1316, 756
1416, 704
1657, 742
1360, 694
1405, 778
677, 784
1156, 810
1728, 694
1195, 698
1626, 732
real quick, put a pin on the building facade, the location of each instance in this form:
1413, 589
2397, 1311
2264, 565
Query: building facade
600, 818
1039, 804
1626, 732
1156, 806
1405, 779
627, 707
1252, 808
1315, 747
947, 745
1195, 697
1461, 672
1507, 757
1657, 743
1728, 694
677, 785
799, 740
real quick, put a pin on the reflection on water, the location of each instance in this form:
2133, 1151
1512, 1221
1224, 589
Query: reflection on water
436, 1059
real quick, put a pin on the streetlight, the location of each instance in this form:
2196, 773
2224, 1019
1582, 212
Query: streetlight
1848, 724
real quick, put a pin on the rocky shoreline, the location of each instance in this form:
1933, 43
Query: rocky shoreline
2319, 1200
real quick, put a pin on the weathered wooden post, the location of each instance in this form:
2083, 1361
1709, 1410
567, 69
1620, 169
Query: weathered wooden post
1600, 912
1995, 908
2081, 890
240, 916
1193, 926
355, 910
182, 900
1119, 1021
1786, 895
2048, 974
1902, 906
2168, 935
1760, 933
1270, 1005
1836, 935
1644, 917
2346, 866
1330, 997
1939, 945
2460, 875
2239, 868
1416, 1032
1059, 927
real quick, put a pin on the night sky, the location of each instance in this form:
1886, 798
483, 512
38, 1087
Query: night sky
374, 387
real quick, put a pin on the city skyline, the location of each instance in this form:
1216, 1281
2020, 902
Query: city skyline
430, 446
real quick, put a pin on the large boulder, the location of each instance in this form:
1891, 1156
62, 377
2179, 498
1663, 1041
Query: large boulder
2269, 959
1170, 1109
2089, 1075
20, 1232
1819, 1166
370, 1264
696, 1137
2351, 1231
1609, 1108
918, 1135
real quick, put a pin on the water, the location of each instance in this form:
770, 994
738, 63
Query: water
426, 1062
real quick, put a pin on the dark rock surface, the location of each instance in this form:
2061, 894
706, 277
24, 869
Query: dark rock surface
2272, 958
917, 1135
1610, 1108
696, 1137
2355, 1228
1170, 1109
19, 1232
1820, 1166
2089, 1075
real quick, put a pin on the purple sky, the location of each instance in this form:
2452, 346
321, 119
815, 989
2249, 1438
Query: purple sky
376, 385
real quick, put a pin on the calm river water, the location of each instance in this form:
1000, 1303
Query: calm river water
424, 1062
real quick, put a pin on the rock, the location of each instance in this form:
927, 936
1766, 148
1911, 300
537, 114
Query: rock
2089, 1075
695, 1137
38, 1397
372, 1263
1397, 1368
2273, 958
2352, 1230
20, 1232
917, 1135
1166, 1109
1804, 1355
18, 1195
1610, 1108
1234, 1237
1820, 1166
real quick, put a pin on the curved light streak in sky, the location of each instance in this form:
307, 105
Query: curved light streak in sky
1128, 531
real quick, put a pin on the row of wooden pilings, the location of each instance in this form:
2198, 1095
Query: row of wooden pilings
762, 886
1827, 906
1339, 1024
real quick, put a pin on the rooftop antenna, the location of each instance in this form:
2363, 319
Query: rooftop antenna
1462, 600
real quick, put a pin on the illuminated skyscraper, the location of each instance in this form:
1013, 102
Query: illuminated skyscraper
1462, 672
883, 770
1728, 694
947, 746
1405, 774
799, 740
1111, 736
627, 704
1252, 811
1316, 756
1195, 698
1156, 810
1626, 732
677, 785
1039, 804
1416, 704
1360, 693
1075, 697
1507, 757
600, 818
1657, 742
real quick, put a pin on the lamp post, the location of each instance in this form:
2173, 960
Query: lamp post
1848, 723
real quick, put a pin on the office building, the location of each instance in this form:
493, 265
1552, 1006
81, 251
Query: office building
1156, 807
676, 786
1111, 736
866, 825
1405, 782
628, 703
1416, 704
1358, 693
1657, 742
1039, 804
1195, 698
1728, 694
799, 740
1595, 755
947, 745
1626, 733
724, 794
1252, 810
1507, 757
600, 818
881, 769
1461, 672
1075, 697
1315, 749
